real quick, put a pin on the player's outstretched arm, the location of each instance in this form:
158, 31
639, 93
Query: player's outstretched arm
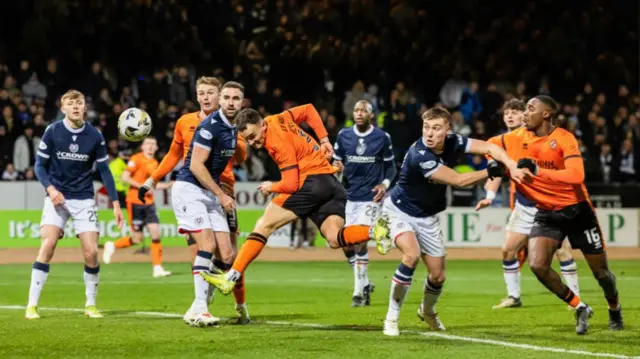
484, 148
310, 115
168, 163
572, 174
447, 175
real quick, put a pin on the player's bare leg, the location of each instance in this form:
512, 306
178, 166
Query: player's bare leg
156, 251
568, 267
198, 315
272, 219
432, 290
541, 250
401, 282
599, 265
513, 242
40, 272
89, 242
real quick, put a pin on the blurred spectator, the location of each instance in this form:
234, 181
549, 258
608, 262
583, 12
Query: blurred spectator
10, 173
25, 149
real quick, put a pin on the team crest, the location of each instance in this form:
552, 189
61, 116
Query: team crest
199, 220
361, 148
74, 147
553, 144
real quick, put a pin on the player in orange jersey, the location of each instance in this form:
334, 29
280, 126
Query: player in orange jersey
142, 213
207, 92
520, 222
307, 188
552, 156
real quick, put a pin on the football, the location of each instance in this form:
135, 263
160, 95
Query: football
134, 124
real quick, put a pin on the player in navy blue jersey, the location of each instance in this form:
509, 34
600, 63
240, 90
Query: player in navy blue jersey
65, 157
414, 203
199, 203
364, 155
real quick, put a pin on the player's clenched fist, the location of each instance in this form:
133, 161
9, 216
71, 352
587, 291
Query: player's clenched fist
56, 197
265, 188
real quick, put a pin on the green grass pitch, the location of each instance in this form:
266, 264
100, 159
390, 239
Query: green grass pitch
303, 310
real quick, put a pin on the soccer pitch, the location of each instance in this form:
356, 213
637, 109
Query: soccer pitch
303, 309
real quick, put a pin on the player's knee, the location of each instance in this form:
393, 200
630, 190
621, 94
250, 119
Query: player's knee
563, 255
508, 253
437, 277
91, 256
539, 268
410, 259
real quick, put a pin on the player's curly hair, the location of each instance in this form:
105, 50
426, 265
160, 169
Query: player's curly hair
436, 112
514, 104
247, 116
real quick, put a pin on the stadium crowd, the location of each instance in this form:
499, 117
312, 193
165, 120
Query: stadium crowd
402, 56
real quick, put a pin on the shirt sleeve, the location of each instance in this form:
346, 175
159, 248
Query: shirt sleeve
338, 148
45, 148
132, 165
495, 140
388, 148
205, 137
101, 149
569, 147
462, 144
310, 115
427, 164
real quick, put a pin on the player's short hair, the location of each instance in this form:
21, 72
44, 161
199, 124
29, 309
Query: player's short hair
550, 102
436, 112
72, 95
246, 117
233, 85
367, 105
514, 104
209, 80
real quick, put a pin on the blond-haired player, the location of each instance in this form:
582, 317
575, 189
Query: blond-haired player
208, 97
142, 213
520, 223
65, 157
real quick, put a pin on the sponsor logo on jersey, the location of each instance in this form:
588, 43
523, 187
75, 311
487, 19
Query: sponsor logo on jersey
228, 152
361, 159
71, 156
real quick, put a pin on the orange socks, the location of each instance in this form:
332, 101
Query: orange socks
156, 252
123, 242
249, 251
571, 298
353, 235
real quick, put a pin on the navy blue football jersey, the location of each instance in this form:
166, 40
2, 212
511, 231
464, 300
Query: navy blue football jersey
71, 153
363, 156
414, 193
217, 135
